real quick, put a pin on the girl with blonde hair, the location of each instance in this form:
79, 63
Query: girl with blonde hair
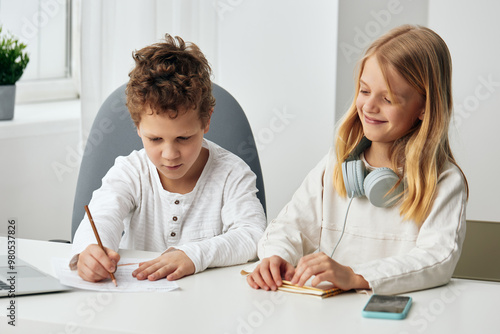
385, 208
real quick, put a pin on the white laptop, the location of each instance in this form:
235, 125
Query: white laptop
27, 279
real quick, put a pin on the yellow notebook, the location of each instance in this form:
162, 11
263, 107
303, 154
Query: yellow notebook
323, 290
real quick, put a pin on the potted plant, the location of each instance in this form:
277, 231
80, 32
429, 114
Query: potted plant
13, 61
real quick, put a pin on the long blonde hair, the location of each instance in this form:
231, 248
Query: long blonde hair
422, 58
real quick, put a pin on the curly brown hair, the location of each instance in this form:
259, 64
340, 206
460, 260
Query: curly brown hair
170, 77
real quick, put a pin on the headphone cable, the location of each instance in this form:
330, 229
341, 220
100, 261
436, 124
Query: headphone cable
345, 221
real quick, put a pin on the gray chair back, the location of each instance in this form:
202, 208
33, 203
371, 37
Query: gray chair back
113, 134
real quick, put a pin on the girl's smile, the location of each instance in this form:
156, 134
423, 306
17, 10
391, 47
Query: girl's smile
386, 113
370, 120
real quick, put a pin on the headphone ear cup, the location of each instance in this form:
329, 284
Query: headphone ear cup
378, 183
354, 174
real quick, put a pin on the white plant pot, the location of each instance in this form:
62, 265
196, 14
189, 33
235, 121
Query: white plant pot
7, 101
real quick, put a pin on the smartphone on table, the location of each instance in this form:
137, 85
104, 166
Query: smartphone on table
387, 307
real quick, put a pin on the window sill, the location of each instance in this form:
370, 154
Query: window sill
42, 119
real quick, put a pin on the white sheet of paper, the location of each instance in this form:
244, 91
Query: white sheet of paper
125, 281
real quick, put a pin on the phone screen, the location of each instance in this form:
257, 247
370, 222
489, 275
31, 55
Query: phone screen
390, 304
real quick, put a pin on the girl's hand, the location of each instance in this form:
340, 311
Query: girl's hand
267, 275
94, 264
172, 264
326, 269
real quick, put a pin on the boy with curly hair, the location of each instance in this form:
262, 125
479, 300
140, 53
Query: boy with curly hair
181, 195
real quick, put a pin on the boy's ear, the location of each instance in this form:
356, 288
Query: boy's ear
207, 126
139, 132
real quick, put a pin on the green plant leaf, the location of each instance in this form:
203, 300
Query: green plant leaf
13, 59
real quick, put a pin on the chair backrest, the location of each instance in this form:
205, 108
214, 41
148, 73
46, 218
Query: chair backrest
113, 134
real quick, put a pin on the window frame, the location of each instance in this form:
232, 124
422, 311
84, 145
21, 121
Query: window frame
42, 90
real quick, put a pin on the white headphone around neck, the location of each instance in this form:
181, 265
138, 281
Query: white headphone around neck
374, 185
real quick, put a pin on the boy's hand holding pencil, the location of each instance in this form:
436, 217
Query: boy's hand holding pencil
97, 262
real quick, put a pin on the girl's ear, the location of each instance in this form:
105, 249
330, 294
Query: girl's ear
422, 113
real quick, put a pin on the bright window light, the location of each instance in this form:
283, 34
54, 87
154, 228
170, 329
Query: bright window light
45, 26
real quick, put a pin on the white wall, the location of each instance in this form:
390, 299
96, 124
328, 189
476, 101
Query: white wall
39, 168
278, 59
472, 29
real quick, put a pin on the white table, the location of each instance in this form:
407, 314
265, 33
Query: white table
220, 301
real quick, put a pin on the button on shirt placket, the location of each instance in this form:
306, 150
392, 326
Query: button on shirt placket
175, 226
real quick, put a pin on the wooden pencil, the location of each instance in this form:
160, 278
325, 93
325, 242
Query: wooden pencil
98, 239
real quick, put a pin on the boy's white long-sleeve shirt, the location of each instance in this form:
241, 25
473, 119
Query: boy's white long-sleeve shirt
217, 224
393, 255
